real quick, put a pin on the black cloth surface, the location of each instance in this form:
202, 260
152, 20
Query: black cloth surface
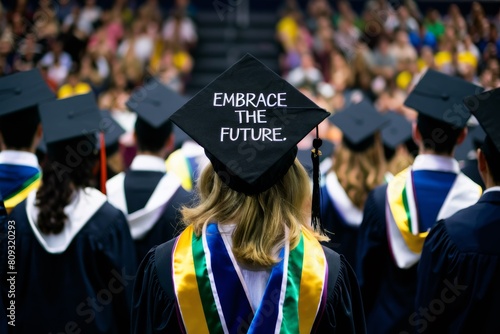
459, 271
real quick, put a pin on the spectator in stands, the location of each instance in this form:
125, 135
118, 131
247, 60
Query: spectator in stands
434, 24
180, 31
307, 74
381, 61
402, 50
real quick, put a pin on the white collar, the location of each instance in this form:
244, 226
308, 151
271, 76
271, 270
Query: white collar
148, 163
143, 220
351, 215
436, 163
495, 188
18, 158
84, 204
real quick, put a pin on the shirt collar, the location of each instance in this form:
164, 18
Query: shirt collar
148, 163
18, 158
491, 189
436, 163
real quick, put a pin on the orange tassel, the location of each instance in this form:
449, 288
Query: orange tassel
104, 170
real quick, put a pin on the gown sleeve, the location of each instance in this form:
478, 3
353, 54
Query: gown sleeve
372, 247
116, 261
343, 312
457, 290
154, 308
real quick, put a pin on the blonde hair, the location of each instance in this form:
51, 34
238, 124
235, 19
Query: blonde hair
359, 172
260, 219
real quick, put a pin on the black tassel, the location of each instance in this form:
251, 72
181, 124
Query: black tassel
316, 201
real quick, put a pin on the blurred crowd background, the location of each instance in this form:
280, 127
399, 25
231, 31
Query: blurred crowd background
334, 51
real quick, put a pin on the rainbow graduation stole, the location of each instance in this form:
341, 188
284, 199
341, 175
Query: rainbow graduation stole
405, 239
18, 190
212, 295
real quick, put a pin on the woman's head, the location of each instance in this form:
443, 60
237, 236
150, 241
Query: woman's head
360, 171
260, 219
70, 166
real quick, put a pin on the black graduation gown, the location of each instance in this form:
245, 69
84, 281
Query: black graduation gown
388, 291
155, 308
139, 185
88, 287
459, 272
343, 237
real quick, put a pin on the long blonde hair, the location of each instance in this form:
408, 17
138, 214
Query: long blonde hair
260, 219
359, 172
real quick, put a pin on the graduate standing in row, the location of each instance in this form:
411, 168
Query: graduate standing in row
398, 144
459, 270
74, 254
358, 168
148, 195
398, 216
20, 132
248, 260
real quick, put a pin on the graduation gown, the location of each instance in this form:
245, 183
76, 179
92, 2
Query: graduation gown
341, 218
459, 271
156, 309
150, 199
19, 175
388, 289
79, 280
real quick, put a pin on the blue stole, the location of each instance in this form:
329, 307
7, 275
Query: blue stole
431, 190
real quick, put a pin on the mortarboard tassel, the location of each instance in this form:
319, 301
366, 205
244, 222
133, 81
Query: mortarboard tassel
104, 170
316, 207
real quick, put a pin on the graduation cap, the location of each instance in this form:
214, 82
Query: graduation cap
485, 107
155, 103
249, 121
23, 90
440, 97
112, 130
73, 117
358, 123
69, 118
397, 131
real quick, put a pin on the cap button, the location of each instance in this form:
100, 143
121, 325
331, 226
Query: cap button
445, 96
358, 121
17, 91
71, 113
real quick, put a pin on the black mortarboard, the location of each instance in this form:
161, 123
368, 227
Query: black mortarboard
23, 90
155, 103
485, 107
358, 123
69, 118
440, 96
112, 130
397, 131
249, 120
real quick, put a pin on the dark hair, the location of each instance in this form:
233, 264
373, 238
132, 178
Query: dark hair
492, 158
150, 138
69, 167
438, 136
18, 129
